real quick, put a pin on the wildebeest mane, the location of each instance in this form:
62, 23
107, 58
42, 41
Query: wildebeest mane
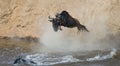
65, 13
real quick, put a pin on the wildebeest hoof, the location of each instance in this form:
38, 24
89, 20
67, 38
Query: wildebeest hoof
61, 29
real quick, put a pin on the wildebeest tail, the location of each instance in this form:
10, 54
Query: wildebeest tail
82, 28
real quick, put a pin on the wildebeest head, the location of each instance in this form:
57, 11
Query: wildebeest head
54, 23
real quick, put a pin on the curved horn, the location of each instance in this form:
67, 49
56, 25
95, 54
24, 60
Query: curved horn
50, 17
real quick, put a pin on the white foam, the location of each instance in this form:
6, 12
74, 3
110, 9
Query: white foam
104, 57
46, 59
43, 59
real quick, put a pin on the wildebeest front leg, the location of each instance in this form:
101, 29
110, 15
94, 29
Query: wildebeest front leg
60, 26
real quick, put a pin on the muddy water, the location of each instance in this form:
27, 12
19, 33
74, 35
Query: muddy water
11, 50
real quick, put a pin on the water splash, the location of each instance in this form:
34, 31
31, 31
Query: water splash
104, 57
47, 59
44, 59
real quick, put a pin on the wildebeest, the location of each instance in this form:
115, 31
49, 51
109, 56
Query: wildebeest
66, 20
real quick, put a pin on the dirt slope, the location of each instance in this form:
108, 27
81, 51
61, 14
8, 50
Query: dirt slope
28, 17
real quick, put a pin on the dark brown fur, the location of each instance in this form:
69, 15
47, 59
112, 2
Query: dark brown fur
64, 19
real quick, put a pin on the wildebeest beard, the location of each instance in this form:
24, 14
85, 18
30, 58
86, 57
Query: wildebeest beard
66, 20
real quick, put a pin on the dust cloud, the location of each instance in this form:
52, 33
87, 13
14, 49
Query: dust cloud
97, 16
69, 39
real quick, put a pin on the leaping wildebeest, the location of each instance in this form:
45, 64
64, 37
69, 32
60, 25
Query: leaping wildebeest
66, 20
